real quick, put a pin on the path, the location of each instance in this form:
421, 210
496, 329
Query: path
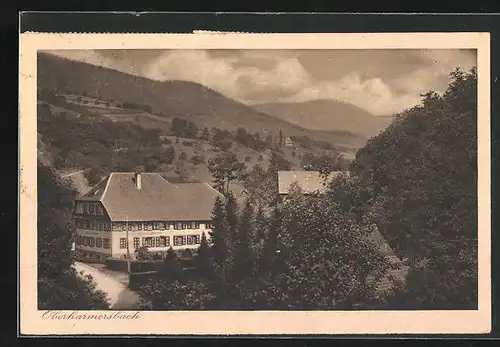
120, 297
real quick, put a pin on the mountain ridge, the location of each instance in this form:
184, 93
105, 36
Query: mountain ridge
327, 115
193, 101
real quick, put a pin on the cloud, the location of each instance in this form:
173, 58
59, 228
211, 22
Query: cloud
371, 94
242, 82
380, 81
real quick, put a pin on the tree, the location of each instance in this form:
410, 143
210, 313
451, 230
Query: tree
231, 216
172, 268
225, 168
243, 257
423, 194
270, 247
319, 252
260, 227
278, 163
169, 155
203, 258
219, 233
143, 253
205, 135
60, 287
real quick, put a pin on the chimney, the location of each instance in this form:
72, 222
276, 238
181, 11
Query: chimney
138, 181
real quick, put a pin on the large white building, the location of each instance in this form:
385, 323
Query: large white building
152, 211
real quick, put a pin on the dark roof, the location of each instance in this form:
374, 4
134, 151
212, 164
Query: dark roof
309, 181
157, 199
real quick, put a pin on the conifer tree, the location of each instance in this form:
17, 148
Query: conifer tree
268, 258
231, 216
172, 268
219, 233
243, 258
203, 258
260, 230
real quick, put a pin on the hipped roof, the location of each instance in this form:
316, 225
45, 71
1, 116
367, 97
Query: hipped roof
157, 200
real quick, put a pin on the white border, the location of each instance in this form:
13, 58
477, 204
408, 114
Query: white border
250, 322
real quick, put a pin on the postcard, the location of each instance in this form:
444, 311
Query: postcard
254, 184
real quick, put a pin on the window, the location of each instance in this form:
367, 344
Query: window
195, 225
100, 226
136, 242
123, 243
91, 208
179, 240
85, 208
85, 241
193, 239
139, 226
91, 242
162, 241
148, 241
130, 226
124, 226
105, 243
116, 226
177, 225
158, 226
209, 225
86, 224
98, 242
149, 226
185, 225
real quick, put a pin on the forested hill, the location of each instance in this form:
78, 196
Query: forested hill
192, 101
419, 181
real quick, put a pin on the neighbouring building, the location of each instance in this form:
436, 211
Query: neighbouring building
289, 142
152, 211
308, 181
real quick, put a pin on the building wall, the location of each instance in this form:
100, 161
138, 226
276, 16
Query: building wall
94, 250
119, 252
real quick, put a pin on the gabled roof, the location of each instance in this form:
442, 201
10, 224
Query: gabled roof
157, 200
309, 181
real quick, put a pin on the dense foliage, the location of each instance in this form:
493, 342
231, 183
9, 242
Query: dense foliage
59, 286
419, 182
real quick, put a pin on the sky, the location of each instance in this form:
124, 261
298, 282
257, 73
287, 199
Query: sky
379, 81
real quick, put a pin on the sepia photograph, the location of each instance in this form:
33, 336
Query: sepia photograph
287, 179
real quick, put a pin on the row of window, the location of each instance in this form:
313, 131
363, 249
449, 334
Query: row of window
89, 208
136, 226
162, 241
93, 225
93, 242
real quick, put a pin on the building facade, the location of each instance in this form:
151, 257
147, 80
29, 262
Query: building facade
126, 211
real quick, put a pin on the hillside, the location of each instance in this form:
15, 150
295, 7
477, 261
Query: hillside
192, 101
327, 115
